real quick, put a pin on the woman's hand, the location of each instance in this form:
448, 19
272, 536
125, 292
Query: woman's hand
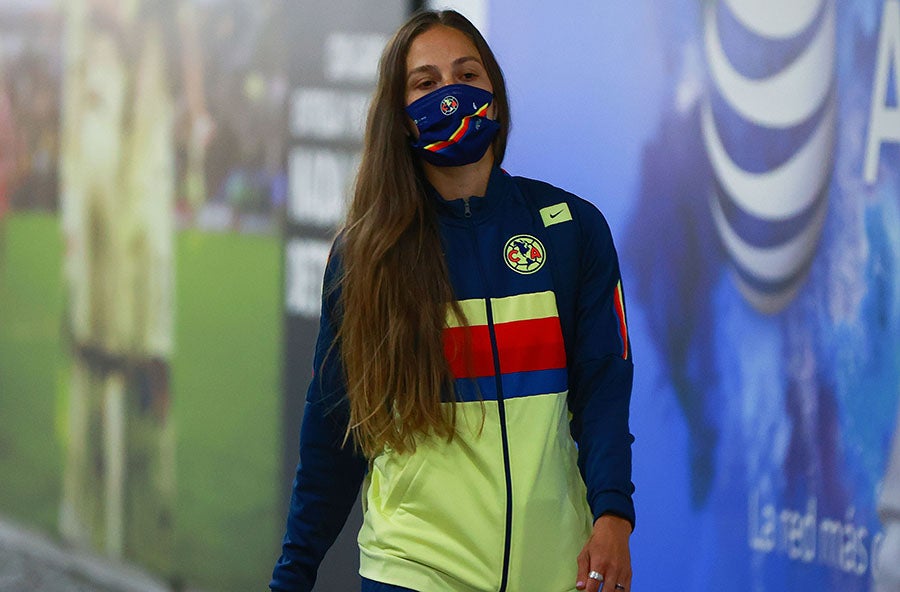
606, 553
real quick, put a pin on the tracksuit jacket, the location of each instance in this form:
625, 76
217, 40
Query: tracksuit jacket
542, 446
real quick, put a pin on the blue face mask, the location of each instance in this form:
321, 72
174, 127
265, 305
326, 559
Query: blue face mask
453, 126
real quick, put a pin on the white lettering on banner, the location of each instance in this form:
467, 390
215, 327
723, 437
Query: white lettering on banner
328, 114
353, 57
884, 121
761, 524
802, 536
304, 266
798, 530
320, 179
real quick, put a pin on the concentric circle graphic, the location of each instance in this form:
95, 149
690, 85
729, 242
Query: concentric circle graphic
768, 121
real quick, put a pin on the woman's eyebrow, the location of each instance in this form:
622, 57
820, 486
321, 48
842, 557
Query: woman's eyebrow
430, 68
426, 68
464, 59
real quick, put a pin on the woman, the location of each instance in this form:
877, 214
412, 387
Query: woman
467, 316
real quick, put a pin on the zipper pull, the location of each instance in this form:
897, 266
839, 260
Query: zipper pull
468, 210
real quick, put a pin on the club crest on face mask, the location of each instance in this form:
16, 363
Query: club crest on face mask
454, 129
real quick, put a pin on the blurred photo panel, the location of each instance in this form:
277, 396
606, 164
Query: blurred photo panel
142, 184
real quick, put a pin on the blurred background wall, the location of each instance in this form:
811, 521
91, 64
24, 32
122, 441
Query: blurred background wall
171, 173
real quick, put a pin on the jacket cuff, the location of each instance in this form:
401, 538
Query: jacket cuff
615, 504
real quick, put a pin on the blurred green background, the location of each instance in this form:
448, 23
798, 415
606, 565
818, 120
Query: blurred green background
225, 384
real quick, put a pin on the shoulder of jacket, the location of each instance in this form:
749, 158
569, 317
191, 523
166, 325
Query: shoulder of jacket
546, 195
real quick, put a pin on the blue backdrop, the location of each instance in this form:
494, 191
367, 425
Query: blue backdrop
726, 142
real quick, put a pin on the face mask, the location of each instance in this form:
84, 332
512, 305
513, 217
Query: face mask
453, 126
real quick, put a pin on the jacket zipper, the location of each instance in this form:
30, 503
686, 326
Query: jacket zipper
501, 409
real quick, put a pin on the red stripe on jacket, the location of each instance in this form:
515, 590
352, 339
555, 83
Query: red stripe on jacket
523, 346
623, 328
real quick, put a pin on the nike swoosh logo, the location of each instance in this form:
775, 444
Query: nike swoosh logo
556, 214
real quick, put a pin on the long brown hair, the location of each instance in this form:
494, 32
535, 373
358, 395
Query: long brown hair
395, 288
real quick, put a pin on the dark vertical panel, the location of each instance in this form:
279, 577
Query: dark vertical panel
324, 152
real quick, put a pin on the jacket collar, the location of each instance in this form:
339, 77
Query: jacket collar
499, 192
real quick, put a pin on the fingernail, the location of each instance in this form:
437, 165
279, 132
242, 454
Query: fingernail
579, 585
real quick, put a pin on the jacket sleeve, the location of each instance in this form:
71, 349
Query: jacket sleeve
329, 475
601, 372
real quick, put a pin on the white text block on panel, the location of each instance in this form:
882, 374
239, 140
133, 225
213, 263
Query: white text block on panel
328, 114
353, 57
305, 261
320, 182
